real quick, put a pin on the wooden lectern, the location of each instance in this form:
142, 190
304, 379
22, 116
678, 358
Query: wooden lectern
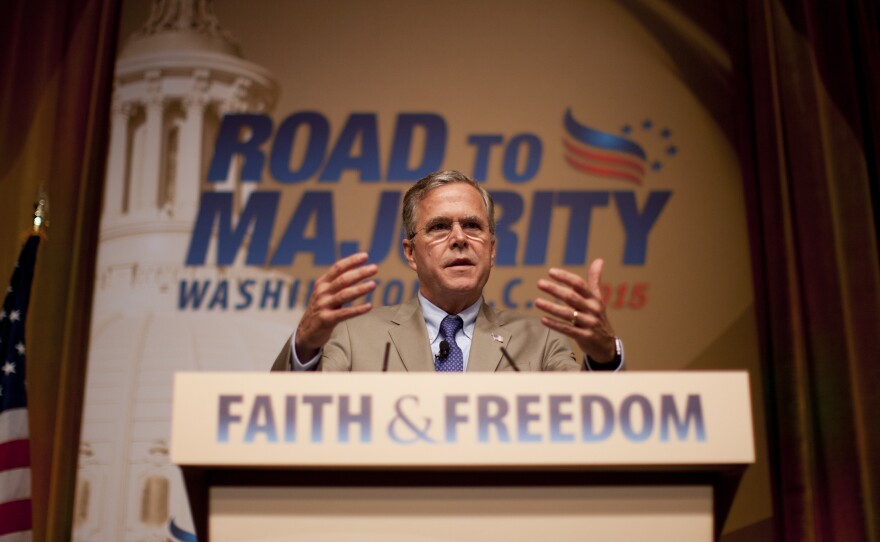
465, 457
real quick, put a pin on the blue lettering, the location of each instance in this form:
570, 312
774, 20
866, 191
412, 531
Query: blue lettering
262, 410
453, 418
216, 207
581, 204
282, 149
192, 293
434, 128
589, 433
531, 163
292, 294
384, 233
290, 418
320, 206
647, 416
525, 417
225, 417
505, 295
271, 292
221, 295
539, 228
511, 206
638, 226
256, 129
347, 418
484, 144
317, 402
245, 288
360, 126
393, 292
485, 419
558, 417
693, 415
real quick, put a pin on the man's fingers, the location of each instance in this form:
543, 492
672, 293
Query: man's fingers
594, 278
353, 276
562, 293
575, 282
343, 265
327, 319
341, 275
349, 294
565, 329
563, 312
346, 313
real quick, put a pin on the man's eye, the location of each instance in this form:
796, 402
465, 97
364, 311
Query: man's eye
439, 226
472, 226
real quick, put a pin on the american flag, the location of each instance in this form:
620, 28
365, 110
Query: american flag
15, 460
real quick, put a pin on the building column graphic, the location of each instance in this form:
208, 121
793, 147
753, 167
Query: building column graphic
148, 196
117, 162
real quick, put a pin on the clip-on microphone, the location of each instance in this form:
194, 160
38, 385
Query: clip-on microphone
444, 349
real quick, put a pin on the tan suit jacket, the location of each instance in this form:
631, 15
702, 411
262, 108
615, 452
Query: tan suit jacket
359, 344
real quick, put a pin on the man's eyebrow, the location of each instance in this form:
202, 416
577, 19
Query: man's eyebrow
437, 220
448, 220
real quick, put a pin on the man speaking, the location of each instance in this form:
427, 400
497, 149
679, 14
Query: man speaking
450, 243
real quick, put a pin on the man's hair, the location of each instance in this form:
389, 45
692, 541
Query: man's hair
424, 186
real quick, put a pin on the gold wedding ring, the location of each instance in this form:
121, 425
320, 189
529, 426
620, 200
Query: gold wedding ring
574, 318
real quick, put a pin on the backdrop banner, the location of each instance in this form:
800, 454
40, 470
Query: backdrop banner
253, 144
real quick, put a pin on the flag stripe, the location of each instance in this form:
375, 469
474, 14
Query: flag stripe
15, 484
14, 424
15, 516
15, 454
20, 536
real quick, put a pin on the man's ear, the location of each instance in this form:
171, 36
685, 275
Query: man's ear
408, 251
494, 250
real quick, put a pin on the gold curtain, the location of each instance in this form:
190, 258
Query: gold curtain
57, 60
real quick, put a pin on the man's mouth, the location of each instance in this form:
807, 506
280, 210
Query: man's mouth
460, 262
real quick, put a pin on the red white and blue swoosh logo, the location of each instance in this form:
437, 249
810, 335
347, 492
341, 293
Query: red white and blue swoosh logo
621, 157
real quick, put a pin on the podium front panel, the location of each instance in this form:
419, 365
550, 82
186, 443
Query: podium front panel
509, 514
436, 420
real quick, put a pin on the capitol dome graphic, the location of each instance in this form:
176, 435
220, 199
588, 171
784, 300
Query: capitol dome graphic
175, 78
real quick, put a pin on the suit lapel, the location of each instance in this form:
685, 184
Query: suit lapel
489, 337
410, 337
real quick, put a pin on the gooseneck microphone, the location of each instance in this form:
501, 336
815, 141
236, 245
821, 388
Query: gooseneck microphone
509, 359
444, 349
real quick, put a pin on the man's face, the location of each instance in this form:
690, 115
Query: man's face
453, 268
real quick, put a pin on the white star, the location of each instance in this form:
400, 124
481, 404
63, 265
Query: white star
9, 368
9, 290
20, 348
14, 315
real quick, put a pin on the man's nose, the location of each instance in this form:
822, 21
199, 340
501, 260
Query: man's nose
457, 235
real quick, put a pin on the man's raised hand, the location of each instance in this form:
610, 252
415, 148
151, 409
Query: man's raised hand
341, 284
580, 313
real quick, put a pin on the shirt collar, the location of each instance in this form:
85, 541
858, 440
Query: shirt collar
434, 315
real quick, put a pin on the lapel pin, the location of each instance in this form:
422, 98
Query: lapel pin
498, 338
